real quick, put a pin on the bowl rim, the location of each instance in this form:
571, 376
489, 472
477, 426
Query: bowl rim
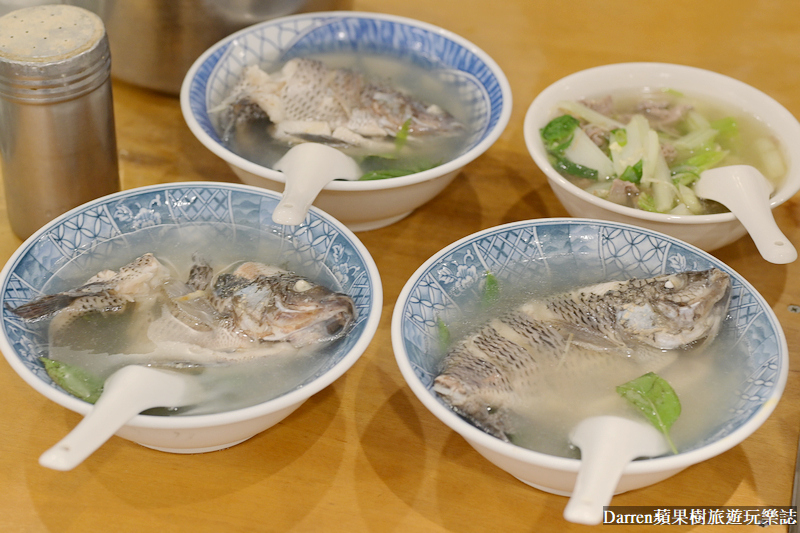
402, 181
535, 147
290, 399
478, 437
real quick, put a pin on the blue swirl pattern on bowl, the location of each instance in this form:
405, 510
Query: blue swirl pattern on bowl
273, 42
101, 228
593, 251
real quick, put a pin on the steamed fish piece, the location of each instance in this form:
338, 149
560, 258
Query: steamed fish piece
278, 306
606, 327
253, 305
206, 318
108, 291
307, 101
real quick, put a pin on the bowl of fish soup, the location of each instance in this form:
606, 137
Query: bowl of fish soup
225, 224
753, 110
444, 303
425, 62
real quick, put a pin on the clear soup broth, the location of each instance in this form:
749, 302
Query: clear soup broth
101, 344
252, 140
705, 378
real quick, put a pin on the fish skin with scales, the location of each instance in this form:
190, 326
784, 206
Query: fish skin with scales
485, 375
308, 101
223, 314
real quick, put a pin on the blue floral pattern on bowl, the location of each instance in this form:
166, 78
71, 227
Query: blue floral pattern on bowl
540, 248
271, 43
318, 245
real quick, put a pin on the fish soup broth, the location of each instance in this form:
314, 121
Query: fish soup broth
705, 381
746, 147
103, 343
704, 377
252, 139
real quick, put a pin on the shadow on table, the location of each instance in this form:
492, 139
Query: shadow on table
437, 474
187, 484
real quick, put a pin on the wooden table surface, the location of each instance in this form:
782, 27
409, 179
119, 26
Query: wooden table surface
364, 454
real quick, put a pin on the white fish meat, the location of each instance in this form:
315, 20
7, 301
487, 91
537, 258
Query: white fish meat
108, 292
221, 317
307, 101
254, 305
487, 374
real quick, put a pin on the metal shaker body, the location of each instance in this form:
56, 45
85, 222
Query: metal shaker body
57, 134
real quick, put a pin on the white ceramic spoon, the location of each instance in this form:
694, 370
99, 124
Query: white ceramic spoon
308, 168
608, 444
745, 191
126, 393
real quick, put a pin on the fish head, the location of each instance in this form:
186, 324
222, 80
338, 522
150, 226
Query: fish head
675, 310
475, 385
309, 313
471, 402
284, 307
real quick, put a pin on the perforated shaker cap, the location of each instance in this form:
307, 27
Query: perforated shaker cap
51, 52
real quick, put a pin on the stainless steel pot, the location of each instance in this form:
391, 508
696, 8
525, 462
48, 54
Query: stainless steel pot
154, 42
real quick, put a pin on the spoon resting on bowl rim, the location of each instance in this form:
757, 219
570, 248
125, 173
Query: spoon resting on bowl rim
126, 393
608, 444
745, 191
308, 167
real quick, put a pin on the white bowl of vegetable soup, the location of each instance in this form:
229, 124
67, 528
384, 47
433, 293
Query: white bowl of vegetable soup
628, 142
409, 102
516, 334
189, 278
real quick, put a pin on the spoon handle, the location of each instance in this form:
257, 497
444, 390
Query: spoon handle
600, 471
112, 410
772, 244
126, 393
608, 444
745, 191
298, 195
308, 168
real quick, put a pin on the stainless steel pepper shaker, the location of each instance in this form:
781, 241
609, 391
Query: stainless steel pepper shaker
58, 145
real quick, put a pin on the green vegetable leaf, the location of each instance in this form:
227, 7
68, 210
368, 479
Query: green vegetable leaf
565, 166
444, 334
672, 92
557, 134
633, 173
656, 399
402, 135
727, 127
646, 202
619, 136
686, 178
378, 159
491, 289
386, 173
74, 380
705, 160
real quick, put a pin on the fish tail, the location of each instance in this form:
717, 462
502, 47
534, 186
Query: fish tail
42, 307
471, 405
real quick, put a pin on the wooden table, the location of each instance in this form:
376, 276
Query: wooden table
364, 454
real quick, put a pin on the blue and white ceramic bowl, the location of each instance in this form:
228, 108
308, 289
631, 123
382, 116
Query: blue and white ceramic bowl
361, 205
580, 251
321, 247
